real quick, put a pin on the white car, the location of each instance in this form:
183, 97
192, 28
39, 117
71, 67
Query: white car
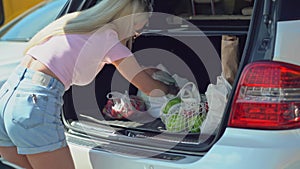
260, 125
257, 121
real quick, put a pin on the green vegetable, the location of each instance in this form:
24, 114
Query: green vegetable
176, 123
195, 123
171, 103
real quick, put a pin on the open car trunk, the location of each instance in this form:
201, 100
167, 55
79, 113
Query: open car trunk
190, 48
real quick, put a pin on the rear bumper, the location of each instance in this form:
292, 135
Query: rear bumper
238, 148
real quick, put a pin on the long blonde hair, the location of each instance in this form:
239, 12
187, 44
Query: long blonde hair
92, 19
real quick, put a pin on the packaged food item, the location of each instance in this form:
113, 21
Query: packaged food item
230, 57
122, 106
154, 104
186, 111
217, 95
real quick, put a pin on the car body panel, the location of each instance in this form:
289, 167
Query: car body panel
11, 55
87, 158
236, 149
248, 149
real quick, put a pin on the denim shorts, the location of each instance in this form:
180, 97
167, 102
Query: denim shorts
30, 112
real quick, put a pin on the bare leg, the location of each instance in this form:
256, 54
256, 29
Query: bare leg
10, 154
60, 158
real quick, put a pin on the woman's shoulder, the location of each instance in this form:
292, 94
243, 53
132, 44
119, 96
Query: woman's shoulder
106, 34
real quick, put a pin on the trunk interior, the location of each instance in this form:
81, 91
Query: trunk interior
176, 49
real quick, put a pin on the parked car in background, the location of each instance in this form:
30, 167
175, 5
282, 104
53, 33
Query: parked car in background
259, 126
15, 35
9, 9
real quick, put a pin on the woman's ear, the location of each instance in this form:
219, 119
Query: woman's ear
140, 20
140, 25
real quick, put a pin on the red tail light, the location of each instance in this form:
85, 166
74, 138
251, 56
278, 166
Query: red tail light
267, 97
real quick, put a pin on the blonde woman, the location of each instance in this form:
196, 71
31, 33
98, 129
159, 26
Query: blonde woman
71, 50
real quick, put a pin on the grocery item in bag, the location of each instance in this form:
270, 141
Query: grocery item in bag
154, 104
160, 73
230, 57
122, 106
217, 96
186, 111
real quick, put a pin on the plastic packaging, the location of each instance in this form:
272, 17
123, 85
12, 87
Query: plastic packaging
154, 104
122, 106
186, 111
217, 96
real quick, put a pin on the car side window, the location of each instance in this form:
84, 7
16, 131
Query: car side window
29, 25
1, 13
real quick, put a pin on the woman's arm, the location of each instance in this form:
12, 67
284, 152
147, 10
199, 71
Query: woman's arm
135, 74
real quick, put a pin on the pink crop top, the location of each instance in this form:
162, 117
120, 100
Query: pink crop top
78, 58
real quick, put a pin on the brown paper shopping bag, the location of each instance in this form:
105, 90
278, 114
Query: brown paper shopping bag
229, 57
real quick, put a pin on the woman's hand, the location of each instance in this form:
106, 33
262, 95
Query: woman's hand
132, 71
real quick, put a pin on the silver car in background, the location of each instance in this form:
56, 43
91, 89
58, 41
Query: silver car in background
15, 35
